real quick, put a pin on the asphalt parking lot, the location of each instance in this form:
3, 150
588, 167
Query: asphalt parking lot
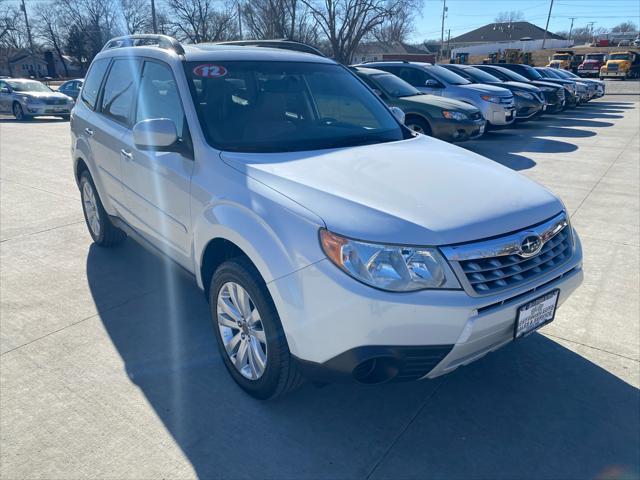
109, 368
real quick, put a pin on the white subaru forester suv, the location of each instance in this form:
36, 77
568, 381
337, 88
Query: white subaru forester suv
331, 242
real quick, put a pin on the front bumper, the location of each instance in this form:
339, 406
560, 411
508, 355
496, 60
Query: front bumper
42, 110
526, 109
458, 131
499, 114
339, 329
589, 73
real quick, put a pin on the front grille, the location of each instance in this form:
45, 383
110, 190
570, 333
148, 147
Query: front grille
55, 101
613, 67
492, 266
490, 275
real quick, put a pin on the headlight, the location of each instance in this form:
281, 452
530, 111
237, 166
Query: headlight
490, 98
29, 99
526, 95
393, 268
454, 115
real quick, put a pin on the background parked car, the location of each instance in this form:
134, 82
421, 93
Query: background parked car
495, 103
596, 87
532, 74
29, 98
528, 98
621, 65
71, 88
554, 95
583, 92
439, 117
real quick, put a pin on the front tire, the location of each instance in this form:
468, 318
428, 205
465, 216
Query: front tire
419, 125
102, 231
250, 337
18, 112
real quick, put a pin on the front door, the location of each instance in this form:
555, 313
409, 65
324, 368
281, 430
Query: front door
157, 183
5, 97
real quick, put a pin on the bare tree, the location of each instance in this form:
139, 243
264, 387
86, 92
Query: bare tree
625, 27
400, 25
269, 19
51, 29
508, 17
90, 24
346, 22
136, 15
13, 33
198, 21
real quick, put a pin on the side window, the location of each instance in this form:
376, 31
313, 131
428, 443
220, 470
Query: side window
93, 81
413, 76
119, 89
158, 96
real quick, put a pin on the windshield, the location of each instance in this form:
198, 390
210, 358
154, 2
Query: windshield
595, 56
28, 86
532, 72
480, 76
286, 106
619, 56
562, 57
513, 76
549, 73
394, 86
445, 76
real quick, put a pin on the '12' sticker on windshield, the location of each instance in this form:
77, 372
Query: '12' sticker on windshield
210, 71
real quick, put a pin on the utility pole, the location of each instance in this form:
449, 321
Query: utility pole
571, 27
240, 21
444, 12
153, 16
546, 28
449, 43
26, 22
590, 24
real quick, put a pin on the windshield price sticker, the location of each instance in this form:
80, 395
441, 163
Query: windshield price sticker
209, 70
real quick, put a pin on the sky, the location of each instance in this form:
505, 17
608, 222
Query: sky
466, 15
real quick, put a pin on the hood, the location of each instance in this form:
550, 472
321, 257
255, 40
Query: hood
441, 102
420, 191
522, 86
617, 62
485, 89
44, 95
560, 81
544, 83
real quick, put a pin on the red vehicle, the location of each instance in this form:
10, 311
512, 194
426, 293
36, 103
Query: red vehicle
590, 66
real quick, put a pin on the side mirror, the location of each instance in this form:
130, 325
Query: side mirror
155, 134
431, 83
398, 113
5, 90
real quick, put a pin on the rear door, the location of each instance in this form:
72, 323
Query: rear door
114, 108
157, 183
5, 98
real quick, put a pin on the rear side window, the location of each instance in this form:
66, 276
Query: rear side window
93, 81
119, 89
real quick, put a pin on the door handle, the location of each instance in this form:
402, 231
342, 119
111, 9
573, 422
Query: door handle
88, 131
126, 154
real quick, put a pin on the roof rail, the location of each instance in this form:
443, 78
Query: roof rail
282, 43
146, 39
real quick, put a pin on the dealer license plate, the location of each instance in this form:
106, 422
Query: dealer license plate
536, 313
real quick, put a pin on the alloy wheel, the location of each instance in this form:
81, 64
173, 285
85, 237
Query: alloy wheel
242, 331
90, 206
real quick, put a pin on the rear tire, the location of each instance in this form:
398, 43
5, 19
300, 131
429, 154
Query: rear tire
243, 326
102, 231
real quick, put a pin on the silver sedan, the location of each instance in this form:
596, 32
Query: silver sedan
26, 99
